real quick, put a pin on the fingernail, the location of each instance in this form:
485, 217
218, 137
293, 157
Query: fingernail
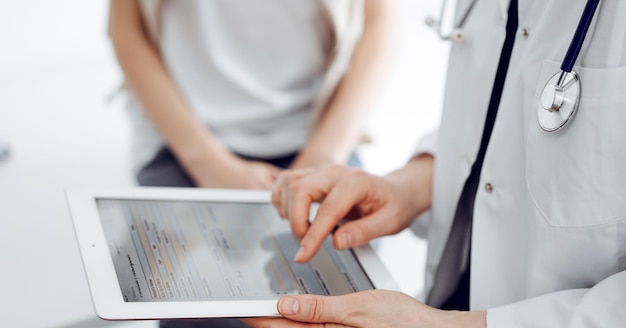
345, 240
299, 254
288, 306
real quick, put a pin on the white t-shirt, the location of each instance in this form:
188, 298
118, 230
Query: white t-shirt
249, 70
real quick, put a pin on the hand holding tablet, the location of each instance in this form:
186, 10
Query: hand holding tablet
153, 253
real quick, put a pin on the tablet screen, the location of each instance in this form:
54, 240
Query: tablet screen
196, 251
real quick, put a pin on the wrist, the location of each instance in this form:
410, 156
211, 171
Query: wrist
415, 181
466, 319
202, 160
308, 158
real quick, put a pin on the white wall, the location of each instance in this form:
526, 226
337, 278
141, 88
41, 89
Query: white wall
56, 70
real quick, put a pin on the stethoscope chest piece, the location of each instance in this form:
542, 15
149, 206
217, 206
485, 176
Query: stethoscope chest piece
559, 101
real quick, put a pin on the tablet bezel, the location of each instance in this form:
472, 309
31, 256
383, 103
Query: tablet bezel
105, 290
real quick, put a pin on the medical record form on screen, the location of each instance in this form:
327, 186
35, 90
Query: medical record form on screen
196, 250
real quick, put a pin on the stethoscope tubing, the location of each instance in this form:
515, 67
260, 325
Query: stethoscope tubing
579, 37
561, 95
465, 15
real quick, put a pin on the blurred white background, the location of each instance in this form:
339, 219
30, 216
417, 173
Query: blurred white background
56, 71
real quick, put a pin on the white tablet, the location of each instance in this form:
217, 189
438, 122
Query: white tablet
156, 253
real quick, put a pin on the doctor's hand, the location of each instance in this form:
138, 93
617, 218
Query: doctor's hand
374, 308
383, 205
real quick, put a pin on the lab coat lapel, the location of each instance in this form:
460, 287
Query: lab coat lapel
504, 7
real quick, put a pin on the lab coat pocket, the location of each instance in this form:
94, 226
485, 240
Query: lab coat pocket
576, 176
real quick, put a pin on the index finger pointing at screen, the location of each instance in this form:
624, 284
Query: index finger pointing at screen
337, 204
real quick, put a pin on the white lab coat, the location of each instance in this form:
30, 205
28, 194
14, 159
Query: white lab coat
549, 239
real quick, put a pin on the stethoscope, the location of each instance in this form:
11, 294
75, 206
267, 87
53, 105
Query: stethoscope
456, 34
561, 95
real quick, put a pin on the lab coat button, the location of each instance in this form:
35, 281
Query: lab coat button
525, 32
489, 187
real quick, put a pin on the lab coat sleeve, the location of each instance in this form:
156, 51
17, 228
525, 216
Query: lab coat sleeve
426, 145
604, 305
